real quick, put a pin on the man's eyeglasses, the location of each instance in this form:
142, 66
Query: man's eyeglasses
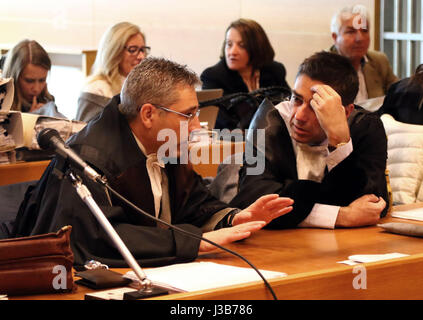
135, 50
190, 116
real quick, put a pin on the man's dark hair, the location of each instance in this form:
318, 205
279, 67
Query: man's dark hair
333, 70
418, 76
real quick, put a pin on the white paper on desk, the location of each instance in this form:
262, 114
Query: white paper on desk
194, 276
363, 258
413, 214
34, 123
15, 132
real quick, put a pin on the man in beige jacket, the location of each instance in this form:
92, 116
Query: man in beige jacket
351, 35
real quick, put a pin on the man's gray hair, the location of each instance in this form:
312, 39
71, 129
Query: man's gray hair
156, 81
346, 13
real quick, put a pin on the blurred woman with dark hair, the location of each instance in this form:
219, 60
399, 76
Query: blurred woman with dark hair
404, 100
246, 61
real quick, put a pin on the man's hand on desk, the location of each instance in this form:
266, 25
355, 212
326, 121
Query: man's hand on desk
249, 220
227, 235
363, 211
265, 208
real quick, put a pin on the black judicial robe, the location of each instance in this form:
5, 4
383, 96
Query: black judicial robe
107, 144
362, 172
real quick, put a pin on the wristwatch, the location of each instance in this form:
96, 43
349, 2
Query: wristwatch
231, 217
333, 148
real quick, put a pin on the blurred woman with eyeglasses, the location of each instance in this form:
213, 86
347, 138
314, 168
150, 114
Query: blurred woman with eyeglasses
121, 48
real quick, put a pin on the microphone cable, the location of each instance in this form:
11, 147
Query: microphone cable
188, 234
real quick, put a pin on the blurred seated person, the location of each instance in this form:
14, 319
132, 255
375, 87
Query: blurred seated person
321, 150
350, 29
121, 48
404, 100
123, 143
28, 64
246, 63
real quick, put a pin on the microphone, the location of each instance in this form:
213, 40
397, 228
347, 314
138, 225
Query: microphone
49, 139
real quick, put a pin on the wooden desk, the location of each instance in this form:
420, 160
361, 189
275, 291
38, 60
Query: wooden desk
309, 257
209, 156
22, 171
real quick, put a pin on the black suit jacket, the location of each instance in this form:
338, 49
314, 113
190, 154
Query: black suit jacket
404, 101
220, 76
362, 172
108, 144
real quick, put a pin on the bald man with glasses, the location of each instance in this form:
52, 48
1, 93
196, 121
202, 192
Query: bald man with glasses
123, 144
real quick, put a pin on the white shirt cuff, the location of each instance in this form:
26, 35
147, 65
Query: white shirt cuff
338, 155
321, 216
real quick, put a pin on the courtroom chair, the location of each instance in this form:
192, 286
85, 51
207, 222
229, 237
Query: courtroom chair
88, 58
405, 160
209, 114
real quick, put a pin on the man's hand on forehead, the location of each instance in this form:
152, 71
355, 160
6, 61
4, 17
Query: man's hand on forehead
322, 92
327, 104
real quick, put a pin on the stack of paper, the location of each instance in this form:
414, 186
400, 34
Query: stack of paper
7, 157
18, 130
33, 123
414, 214
194, 276
7, 143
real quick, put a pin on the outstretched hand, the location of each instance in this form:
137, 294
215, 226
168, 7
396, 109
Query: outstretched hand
249, 220
266, 208
227, 235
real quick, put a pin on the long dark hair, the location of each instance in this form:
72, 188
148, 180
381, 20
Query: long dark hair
256, 42
417, 79
418, 75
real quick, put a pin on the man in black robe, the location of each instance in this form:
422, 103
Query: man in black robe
125, 144
321, 150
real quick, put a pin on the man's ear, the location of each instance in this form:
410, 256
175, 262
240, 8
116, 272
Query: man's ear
147, 114
348, 109
334, 37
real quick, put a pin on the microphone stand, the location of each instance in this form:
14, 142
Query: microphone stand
49, 138
146, 288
